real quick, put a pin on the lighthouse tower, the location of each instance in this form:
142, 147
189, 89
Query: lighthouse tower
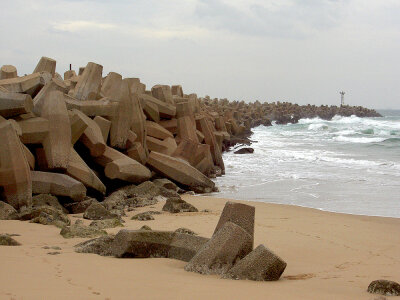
342, 98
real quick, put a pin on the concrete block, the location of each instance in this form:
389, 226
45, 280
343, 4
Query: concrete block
89, 83
57, 144
15, 177
230, 244
46, 64
260, 265
14, 104
8, 71
58, 185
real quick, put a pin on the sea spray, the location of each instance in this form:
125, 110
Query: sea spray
348, 164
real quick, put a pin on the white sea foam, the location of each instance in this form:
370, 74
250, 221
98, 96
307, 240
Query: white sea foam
348, 164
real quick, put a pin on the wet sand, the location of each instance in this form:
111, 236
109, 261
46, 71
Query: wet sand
329, 256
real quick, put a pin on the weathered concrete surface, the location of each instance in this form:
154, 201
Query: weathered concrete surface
180, 172
111, 86
79, 170
58, 185
157, 131
53, 85
122, 121
242, 215
260, 265
15, 177
57, 144
92, 137
104, 126
14, 104
92, 108
78, 125
166, 110
46, 64
34, 130
119, 166
8, 71
162, 93
89, 83
138, 125
209, 138
230, 244
29, 84
137, 153
144, 244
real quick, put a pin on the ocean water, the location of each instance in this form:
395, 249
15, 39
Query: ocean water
348, 165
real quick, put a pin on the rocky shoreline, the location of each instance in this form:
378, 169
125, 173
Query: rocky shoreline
103, 147
87, 135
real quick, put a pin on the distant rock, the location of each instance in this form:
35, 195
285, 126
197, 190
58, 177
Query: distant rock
384, 287
246, 150
6, 240
177, 205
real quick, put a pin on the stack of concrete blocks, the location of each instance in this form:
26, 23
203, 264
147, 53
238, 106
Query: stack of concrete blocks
230, 253
55, 130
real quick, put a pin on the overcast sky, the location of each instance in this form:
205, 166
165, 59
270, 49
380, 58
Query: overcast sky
302, 51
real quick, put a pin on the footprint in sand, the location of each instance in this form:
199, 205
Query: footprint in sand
300, 276
331, 277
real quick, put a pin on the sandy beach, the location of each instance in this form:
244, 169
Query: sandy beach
329, 256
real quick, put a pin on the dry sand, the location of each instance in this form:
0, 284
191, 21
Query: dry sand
329, 256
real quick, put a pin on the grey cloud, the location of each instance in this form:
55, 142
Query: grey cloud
297, 20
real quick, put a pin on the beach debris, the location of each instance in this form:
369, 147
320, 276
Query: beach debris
178, 205
230, 244
6, 240
384, 287
146, 244
260, 265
